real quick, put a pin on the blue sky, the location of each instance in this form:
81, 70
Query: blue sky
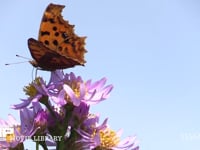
149, 51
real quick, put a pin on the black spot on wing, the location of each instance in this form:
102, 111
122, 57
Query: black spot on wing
55, 42
46, 42
54, 28
42, 33
56, 34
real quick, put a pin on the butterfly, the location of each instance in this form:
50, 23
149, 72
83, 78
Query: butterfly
57, 47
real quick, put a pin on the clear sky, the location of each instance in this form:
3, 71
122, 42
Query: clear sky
149, 51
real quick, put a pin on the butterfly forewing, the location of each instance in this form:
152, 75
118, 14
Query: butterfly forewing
53, 29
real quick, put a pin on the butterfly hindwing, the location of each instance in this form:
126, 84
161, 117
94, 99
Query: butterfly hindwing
46, 59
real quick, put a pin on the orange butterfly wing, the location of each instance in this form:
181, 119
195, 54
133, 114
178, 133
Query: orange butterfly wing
57, 39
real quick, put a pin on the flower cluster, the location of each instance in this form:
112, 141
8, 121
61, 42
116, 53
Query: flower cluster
56, 114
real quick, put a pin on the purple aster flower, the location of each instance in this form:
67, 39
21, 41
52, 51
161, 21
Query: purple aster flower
74, 95
74, 90
81, 112
99, 137
71, 88
33, 120
97, 91
37, 91
55, 115
111, 140
89, 131
67, 99
65, 88
40, 120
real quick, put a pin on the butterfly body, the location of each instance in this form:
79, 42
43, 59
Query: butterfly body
57, 47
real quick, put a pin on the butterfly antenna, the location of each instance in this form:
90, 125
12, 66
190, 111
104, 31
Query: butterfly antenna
23, 57
20, 61
16, 63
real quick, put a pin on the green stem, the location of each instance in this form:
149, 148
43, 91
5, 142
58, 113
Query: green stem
37, 145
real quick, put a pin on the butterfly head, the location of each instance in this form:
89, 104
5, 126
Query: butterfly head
33, 63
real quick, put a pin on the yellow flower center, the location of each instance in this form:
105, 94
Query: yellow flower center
30, 90
77, 92
108, 138
75, 87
